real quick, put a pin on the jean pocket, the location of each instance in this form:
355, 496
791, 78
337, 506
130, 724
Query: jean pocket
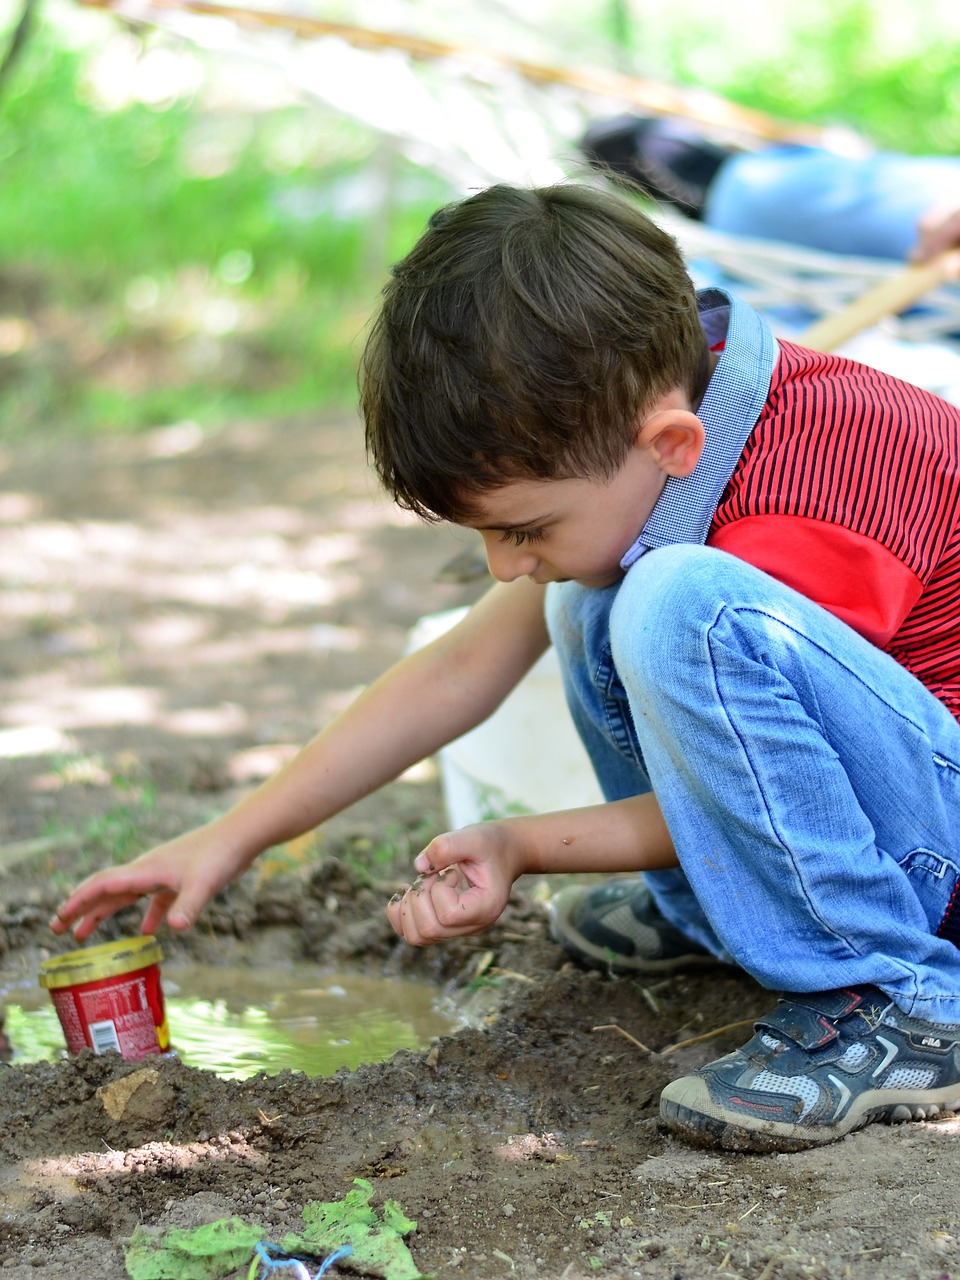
936, 881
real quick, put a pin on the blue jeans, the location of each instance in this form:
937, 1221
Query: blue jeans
810, 783
866, 205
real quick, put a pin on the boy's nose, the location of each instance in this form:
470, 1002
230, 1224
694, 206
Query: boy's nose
507, 562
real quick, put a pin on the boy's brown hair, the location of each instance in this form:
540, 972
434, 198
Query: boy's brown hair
521, 338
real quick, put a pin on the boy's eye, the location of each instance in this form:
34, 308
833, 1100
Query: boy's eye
519, 536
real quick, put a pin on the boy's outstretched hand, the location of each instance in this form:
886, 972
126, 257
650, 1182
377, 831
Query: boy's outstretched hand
178, 878
464, 883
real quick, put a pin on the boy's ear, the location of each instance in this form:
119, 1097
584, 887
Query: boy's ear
675, 438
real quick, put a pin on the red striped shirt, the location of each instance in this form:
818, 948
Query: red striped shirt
848, 489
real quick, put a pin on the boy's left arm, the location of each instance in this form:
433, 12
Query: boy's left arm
465, 876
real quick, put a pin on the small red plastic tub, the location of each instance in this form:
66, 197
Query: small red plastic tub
109, 997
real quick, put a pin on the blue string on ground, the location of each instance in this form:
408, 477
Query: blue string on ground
299, 1268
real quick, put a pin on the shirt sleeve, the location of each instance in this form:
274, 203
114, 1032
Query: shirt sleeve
855, 577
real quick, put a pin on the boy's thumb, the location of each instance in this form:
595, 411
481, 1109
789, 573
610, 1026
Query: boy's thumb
442, 851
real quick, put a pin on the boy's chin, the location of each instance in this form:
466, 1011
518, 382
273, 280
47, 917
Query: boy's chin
598, 583
598, 580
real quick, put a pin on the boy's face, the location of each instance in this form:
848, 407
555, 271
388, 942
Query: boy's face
579, 530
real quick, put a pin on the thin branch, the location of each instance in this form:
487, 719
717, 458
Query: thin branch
612, 1026
708, 1035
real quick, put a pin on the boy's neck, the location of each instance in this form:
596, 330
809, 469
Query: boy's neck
713, 359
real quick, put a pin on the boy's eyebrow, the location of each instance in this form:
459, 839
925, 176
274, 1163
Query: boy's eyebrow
509, 528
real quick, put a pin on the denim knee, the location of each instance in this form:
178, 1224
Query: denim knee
667, 597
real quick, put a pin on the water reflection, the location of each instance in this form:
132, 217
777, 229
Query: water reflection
235, 1022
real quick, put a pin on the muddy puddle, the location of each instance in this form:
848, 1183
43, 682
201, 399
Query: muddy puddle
235, 1021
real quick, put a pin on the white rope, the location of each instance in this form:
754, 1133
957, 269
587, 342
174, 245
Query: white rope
770, 275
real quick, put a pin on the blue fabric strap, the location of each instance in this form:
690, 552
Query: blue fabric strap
729, 411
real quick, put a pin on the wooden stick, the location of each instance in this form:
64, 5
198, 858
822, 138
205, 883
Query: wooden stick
886, 298
613, 1026
691, 104
708, 1035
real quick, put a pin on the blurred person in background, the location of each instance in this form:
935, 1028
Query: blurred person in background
875, 204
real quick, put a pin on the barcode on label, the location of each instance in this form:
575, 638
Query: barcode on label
103, 1036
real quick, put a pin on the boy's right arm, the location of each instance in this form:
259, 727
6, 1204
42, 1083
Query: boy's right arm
424, 701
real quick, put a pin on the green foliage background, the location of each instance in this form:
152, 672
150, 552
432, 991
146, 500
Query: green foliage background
248, 288
886, 68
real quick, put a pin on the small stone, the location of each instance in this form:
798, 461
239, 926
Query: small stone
508, 1210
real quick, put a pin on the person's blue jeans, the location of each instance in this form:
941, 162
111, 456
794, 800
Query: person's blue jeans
866, 205
810, 783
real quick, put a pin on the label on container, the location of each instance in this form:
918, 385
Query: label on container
125, 1013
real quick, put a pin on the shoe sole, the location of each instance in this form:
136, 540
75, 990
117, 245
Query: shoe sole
565, 932
687, 1109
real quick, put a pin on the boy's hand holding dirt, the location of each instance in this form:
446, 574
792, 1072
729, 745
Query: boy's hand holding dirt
178, 877
464, 883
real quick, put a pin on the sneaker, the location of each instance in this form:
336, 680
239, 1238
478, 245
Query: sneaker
616, 927
818, 1067
667, 158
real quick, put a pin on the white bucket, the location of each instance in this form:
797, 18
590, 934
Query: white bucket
525, 758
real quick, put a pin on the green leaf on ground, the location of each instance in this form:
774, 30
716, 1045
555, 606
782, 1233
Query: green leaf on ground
213, 1251
203, 1253
378, 1244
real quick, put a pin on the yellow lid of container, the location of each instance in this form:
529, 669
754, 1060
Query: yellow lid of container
93, 964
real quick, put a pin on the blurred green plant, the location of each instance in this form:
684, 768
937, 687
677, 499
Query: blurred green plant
881, 67
181, 259
213, 275
123, 829
392, 851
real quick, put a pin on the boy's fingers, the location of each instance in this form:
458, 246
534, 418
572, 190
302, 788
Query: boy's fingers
89, 922
393, 910
106, 893
85, 912
438, 906
157, 911
417, 915
112, 887
408, 927
446, 911
459, 910
185, 904
67, 912
453, 877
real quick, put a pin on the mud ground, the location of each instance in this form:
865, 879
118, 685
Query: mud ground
177, 613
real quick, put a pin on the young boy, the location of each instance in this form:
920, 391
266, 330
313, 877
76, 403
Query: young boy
772, 715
